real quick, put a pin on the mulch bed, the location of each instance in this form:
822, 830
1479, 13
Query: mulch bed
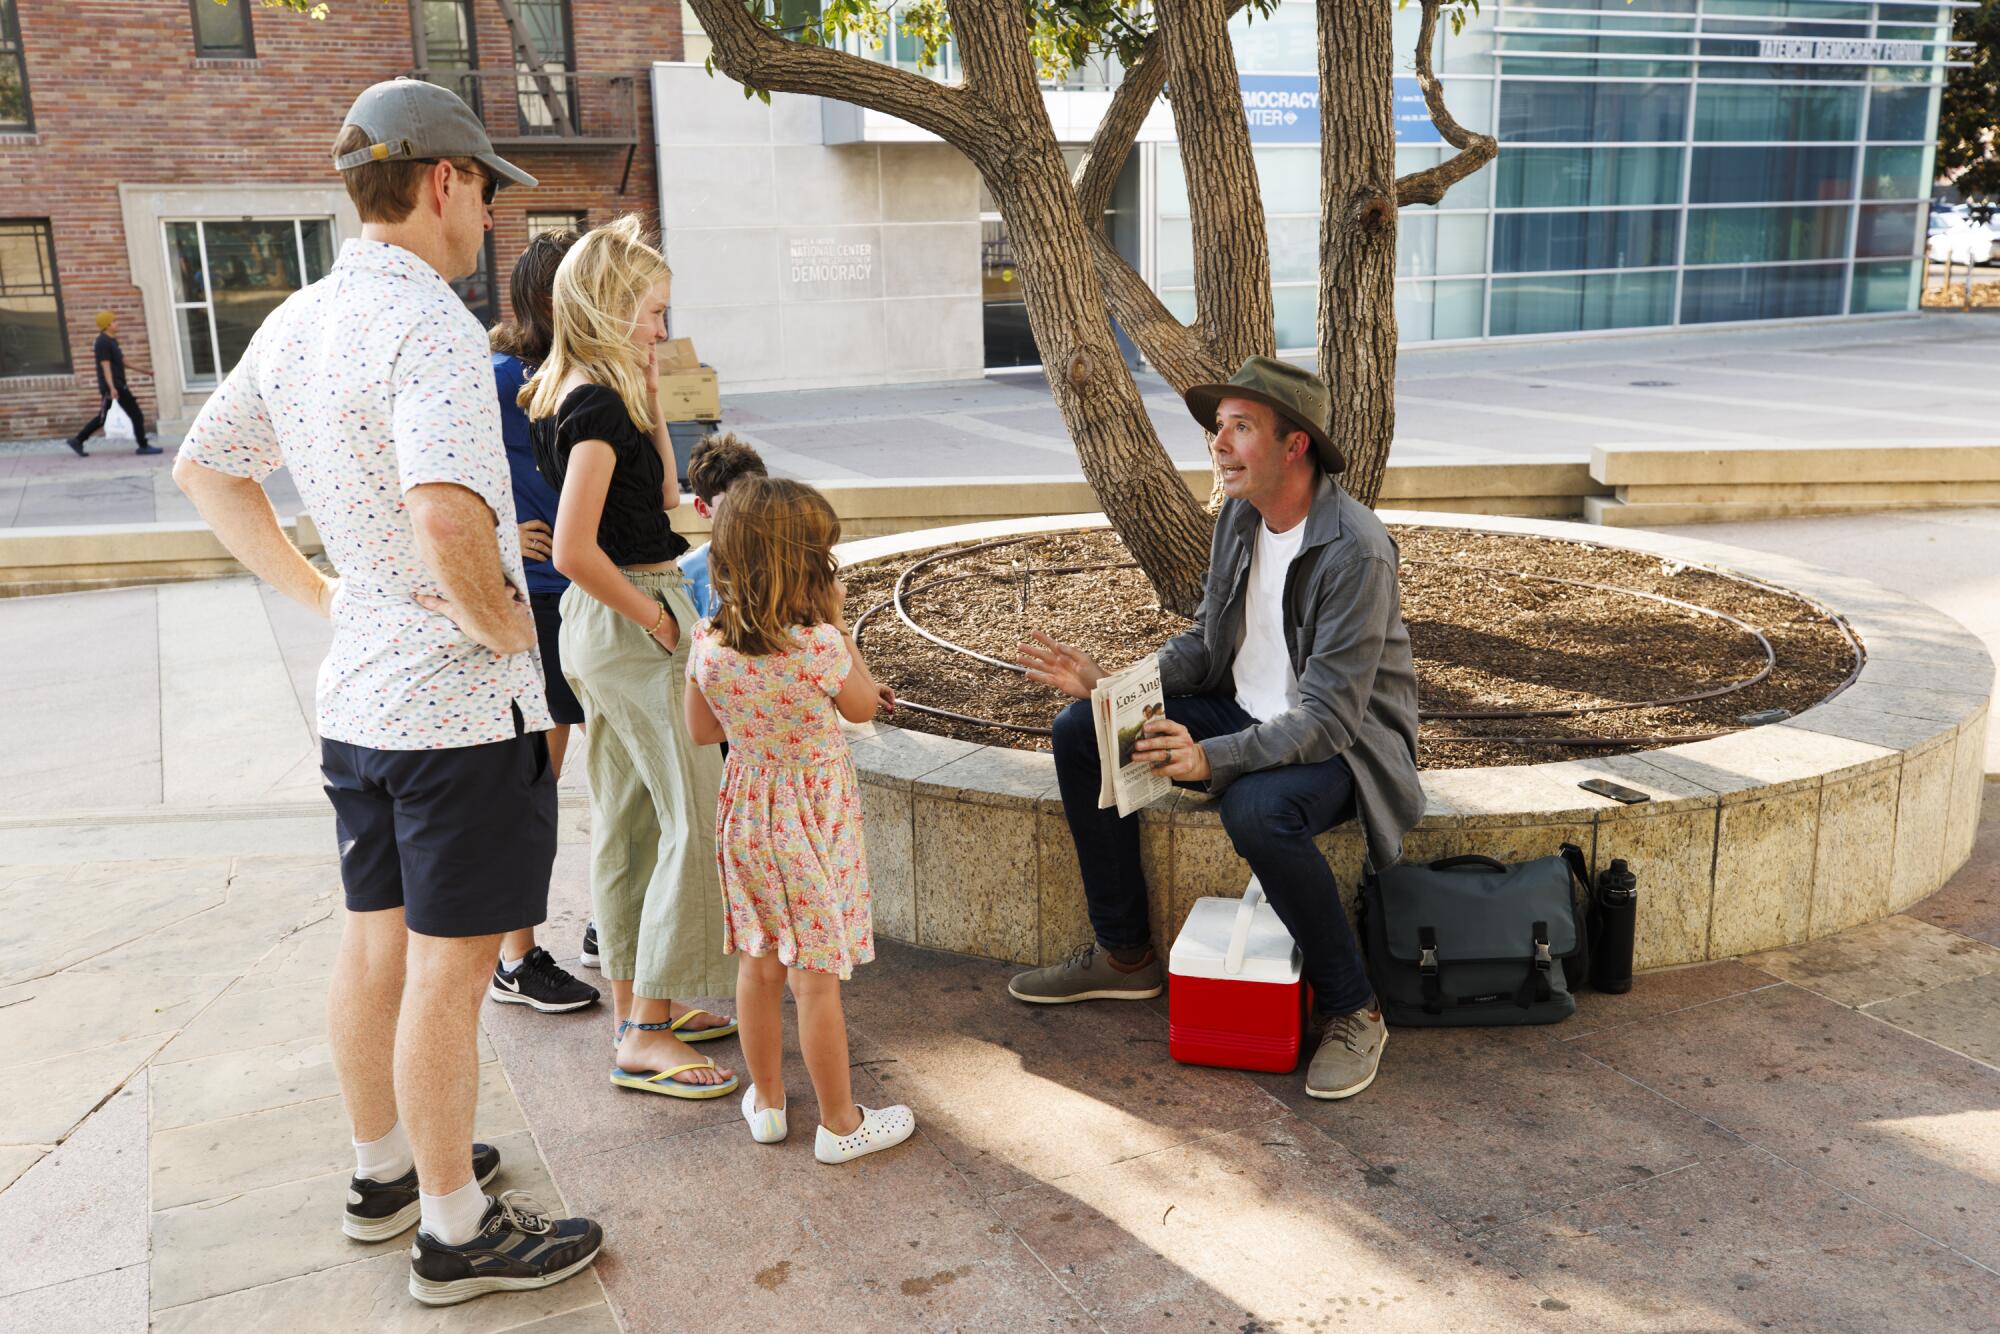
1485, 638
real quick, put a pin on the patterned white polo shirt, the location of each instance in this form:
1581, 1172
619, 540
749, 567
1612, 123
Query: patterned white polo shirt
371, 381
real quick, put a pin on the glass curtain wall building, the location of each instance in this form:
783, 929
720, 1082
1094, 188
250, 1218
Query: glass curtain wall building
1662, 162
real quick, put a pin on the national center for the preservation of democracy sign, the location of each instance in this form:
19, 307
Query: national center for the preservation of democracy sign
1284, 109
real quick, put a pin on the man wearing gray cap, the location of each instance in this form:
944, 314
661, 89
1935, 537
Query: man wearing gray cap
373, 386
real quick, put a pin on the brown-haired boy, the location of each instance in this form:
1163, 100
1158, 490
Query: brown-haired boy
715, 463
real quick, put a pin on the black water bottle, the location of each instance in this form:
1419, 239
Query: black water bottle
1617, 914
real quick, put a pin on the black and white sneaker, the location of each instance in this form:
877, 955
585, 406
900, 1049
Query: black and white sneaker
540, 981
589, 958
518, 1247
378, 1210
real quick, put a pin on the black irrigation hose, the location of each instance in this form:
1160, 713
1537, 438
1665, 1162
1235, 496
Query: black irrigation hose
903, 590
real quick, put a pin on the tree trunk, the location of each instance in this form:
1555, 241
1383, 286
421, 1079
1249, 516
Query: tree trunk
1357, 235
1138, 485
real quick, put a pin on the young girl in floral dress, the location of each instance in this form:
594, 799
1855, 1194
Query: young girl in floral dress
773, 671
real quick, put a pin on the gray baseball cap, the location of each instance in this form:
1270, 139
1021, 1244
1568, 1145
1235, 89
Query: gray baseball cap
408, 118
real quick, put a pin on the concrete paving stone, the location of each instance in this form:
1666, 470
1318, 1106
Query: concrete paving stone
1488, 1125
898, 1240
1964, 1016
294, 828
590, 1320
1856, 850
1272, 1226
255, 1079
1970, 902
991, 1079
1662, 991
252, 1018
374, 1294
1923, 804
560, 1065
1881, 960
16, 1159
280, 1232
53, 922
1764, 854
302, 956
98, 1304
81, 1210
1744, 1243
1887, 1117
229, 938
41, 1103
100, 646
230, 725
75, 1012
215, 1159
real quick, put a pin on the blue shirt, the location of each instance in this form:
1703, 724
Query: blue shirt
534, 498
694, 566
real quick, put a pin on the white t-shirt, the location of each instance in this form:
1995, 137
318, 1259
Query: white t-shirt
1265, 685
371, 381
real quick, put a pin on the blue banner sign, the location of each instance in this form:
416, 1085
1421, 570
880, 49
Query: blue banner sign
1284, 109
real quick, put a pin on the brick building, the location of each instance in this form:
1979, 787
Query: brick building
169, 160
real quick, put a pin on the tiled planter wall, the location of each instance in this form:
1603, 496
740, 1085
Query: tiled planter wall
1847, 813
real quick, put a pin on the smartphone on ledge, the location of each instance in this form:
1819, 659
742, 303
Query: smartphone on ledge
1604, 787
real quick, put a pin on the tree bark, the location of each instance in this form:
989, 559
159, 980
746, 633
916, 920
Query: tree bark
1232, 250
997, 119
1357, 236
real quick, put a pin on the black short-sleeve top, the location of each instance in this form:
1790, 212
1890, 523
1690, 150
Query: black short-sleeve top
634, 529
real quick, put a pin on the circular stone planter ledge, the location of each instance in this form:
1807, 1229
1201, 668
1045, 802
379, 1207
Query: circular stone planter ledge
1846, 813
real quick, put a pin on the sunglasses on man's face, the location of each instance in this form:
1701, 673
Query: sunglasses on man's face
489, 185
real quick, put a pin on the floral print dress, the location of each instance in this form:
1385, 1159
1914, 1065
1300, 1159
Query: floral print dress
788, 825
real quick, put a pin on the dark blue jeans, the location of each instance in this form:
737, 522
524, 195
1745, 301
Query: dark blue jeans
1272, 817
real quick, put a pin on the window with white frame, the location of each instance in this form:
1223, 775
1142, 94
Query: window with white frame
227, 275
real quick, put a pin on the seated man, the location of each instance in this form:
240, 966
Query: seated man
1293, 701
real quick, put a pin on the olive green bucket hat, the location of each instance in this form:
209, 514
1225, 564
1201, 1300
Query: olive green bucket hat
1297, 395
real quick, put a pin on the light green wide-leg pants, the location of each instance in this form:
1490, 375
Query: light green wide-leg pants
653, 880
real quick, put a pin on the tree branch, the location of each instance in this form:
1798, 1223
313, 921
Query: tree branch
1097, 174
756, 57
1176, 351
1475, 150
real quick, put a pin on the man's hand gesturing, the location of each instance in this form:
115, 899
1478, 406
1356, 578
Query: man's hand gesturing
1054, 664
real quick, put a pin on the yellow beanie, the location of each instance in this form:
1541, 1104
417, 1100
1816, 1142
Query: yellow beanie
104, 318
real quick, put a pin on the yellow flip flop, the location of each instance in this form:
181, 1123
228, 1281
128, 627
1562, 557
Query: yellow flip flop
663, 1081
700, 1034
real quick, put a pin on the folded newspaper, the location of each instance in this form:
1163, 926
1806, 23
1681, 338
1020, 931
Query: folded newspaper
1121, 704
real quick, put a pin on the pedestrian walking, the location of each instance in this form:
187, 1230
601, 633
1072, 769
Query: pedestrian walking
373, 387
109, 359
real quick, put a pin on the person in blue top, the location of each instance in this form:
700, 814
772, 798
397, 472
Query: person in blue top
715, 463
527, 974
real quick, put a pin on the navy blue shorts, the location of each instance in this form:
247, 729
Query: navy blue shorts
461, 839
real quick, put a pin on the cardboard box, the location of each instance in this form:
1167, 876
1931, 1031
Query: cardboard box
688, 389
690, 396
677, 354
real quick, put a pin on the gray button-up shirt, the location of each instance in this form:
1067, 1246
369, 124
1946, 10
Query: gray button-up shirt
1344, 628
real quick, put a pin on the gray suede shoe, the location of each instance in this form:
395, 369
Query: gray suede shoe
1350, 1051
1088, 974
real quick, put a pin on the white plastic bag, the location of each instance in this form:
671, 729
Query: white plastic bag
118, 426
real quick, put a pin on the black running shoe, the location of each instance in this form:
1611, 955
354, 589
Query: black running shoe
76, 447
378, 1210
590, 958
518, 1247
147, 449
540, 981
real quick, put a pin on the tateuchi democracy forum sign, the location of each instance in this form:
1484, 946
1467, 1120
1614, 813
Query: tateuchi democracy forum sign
1284, 109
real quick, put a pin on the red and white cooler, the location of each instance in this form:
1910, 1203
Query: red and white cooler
1235, 999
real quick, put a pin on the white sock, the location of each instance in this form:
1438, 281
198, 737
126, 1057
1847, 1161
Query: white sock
510, 964
384, 1159
453, 1219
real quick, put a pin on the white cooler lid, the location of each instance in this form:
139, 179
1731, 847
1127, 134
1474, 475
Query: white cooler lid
1202, 949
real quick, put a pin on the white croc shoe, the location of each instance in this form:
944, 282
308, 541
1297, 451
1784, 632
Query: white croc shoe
881, 1128
767, 1126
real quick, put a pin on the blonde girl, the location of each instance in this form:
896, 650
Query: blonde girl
595, 423
773, 672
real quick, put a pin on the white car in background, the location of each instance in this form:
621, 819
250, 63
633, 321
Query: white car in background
1957, 238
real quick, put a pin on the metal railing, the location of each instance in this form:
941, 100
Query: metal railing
549, 107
